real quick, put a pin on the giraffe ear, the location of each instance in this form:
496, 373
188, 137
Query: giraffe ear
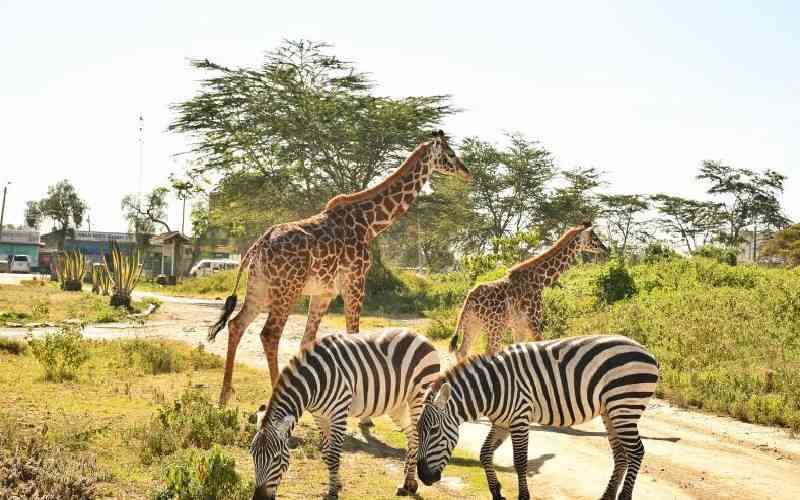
285, 425
443, 396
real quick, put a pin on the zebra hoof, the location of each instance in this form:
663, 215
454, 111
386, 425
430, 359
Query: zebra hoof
366, 422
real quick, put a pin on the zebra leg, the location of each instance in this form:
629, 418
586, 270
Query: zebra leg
628, 435
493, 441
407, 420
620, 460
338, 427
519, 438
324, 425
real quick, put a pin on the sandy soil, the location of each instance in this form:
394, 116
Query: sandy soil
689, 455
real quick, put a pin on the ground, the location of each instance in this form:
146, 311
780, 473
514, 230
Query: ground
688, 454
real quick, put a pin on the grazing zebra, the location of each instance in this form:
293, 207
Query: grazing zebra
555, 383
342, 376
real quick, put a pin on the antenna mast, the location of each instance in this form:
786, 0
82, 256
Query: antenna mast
141, 154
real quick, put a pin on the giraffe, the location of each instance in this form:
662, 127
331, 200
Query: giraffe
324, 255
515, 301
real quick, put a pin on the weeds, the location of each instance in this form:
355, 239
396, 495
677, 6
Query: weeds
61, 353
202, 476
12, 346
159, 357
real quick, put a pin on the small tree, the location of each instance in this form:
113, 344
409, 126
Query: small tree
623, 212
784, 245
62, 206
693, 223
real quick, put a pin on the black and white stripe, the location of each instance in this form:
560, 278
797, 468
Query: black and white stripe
556, 383
342, 376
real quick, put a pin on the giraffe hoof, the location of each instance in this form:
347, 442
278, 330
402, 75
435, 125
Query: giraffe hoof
407, 489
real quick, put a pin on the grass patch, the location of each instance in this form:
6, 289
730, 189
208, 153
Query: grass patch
44, 302
95, 422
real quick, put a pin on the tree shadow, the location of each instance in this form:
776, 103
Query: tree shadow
571, 431
373, 445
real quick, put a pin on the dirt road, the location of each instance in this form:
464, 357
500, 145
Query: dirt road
688, 455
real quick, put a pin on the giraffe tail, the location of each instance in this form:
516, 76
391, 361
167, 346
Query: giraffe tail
454, 339
230, 304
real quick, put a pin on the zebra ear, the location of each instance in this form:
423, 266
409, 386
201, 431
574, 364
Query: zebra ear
285, 425
258, 416
443, 397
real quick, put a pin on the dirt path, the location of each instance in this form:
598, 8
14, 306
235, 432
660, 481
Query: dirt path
689, 455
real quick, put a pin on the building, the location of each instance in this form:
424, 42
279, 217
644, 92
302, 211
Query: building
20, 241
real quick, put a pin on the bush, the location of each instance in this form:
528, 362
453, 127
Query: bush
192, 421
12, 346
204, 476
723, 255
614, 283
61, 353
657, 252
159, 357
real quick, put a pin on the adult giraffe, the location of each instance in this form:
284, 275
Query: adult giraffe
324, 255
515, 301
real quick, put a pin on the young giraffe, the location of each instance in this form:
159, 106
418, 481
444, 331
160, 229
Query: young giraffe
515, 301
325, 255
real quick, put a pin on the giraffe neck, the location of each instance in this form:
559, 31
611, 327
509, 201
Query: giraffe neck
390, 203
559, 262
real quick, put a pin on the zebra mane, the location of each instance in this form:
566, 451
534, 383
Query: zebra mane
449, 374
280, 387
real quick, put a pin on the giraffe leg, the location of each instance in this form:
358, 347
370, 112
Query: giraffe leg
495, 337
620, 461
493, 441
270, 338
317, 307
469, 328
353, 295
236, 328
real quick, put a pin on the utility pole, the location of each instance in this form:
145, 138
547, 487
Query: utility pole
3, 209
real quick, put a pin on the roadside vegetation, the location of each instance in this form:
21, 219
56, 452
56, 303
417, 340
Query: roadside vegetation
139, 417
40, 301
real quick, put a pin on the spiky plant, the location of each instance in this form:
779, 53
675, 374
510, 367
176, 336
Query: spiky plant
125, 271
101, 280
71, 270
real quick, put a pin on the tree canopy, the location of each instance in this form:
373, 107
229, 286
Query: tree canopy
62, 205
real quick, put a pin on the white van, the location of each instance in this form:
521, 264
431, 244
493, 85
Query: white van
208, 266
20, 264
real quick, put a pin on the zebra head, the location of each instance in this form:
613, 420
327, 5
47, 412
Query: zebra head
438, 434
270, 451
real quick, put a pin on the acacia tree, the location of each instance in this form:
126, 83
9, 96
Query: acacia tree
749, 199
300, 128
144, 213
622, 212
694, 223
570, 203
63, 206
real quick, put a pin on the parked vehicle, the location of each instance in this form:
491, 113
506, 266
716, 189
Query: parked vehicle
209, 266
20, 264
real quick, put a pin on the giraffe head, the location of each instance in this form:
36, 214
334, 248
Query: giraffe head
270, 451
588, 241
443, 159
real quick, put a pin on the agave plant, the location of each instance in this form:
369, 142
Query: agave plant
101, 280
71, 270
124, 271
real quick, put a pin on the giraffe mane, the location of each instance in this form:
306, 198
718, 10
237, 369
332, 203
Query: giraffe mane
346, 199
568, 236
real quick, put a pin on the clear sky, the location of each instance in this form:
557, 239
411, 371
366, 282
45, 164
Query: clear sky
642, 90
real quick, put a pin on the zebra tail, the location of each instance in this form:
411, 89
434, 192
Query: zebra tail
230, 304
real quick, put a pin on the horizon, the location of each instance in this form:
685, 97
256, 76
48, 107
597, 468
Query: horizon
644, 93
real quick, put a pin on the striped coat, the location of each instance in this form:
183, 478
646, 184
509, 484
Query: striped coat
556, 383
342, 376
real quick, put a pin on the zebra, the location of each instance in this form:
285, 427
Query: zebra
340, 376
556, 383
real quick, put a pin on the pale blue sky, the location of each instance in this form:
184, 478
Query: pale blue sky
642, 90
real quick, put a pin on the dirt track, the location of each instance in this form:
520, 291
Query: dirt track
688, 454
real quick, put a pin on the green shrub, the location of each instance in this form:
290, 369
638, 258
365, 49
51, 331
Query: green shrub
204, 476
12, 346
723, 255
61, 353
615, 283
657, 252
191, 421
